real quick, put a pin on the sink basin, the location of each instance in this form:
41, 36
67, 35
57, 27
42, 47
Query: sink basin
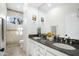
36, 38
64, 46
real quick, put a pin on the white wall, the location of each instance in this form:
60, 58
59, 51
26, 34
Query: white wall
72, 28
3, 10
29, 26
55, 17
64, 17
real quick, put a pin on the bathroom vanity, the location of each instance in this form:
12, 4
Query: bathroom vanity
41, 47
38, 49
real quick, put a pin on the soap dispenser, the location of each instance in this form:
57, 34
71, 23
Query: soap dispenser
56, 38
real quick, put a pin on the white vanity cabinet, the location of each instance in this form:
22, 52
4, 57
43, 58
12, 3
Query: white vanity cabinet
38, 49
41, 50
49, 53
33, 48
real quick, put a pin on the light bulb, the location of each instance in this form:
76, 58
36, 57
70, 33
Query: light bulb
49, 5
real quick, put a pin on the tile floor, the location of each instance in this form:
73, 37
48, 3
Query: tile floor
14, 50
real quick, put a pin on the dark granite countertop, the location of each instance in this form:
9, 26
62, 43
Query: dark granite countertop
50, 44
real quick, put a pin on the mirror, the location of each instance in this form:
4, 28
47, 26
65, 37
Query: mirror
62, 15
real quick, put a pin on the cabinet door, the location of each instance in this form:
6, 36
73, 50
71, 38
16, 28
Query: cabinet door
35, 52
29, 48
33, 48
36, 49
49, 54
41, 51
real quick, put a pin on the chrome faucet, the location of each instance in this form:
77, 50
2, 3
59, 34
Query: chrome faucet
61, 40
70, 41
65, 38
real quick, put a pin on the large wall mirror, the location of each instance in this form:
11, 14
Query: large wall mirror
63, 15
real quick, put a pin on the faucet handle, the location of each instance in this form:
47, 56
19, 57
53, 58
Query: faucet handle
61, 40
70, 41
65, 41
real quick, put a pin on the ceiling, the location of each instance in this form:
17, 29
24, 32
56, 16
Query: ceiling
45, 6
41, 6
15, 6
19, 6
36, 5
